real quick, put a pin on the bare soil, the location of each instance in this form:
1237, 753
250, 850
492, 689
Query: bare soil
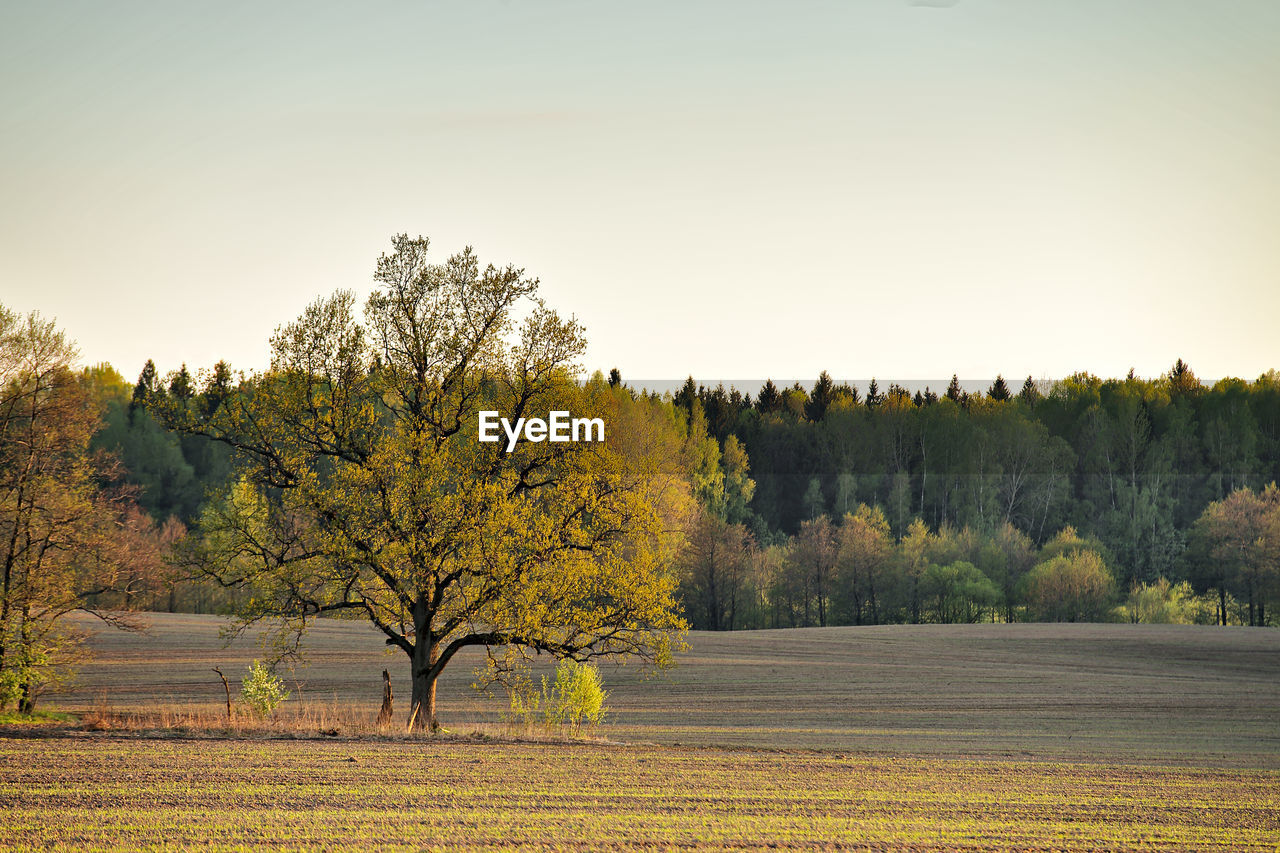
1197, 695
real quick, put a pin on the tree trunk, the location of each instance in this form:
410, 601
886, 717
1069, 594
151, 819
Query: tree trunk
5, 592
27, 693
422, 704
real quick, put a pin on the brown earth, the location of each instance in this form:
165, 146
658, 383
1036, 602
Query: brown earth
104, 792
1181, 694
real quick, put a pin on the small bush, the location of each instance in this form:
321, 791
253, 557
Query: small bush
526, 706
261, 690
576, 699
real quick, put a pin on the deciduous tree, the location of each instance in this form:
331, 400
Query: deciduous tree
714, 564
367, 493
1071, 587
60, 533
865, 550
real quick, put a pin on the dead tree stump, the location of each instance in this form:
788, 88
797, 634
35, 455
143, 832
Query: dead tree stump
227, 688
384, 716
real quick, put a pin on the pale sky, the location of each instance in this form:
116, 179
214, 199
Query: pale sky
729, 189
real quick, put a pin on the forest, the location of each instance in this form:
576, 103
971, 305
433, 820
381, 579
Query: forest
1148, 499
827, 506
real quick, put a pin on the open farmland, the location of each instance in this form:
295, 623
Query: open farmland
1027, 737
1198, 694
95, 793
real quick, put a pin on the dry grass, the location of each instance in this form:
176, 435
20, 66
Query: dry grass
313, 721
316, 720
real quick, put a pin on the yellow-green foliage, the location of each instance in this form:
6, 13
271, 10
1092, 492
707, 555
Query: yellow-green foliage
575, 699
1072, 587
262, 690
958, 592
1163, 603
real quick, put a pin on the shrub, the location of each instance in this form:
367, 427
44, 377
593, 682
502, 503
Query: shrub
36, 665
262, 690
526, 705
575, 699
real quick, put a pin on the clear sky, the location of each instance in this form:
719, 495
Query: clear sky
729, 189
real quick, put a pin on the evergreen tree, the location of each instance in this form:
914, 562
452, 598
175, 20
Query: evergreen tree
820, 398
1029, 394
218, 388
998, 391
686, 395
874, 398
615, 378
954, 394
720, 412
181, 387
769, 400
148, 387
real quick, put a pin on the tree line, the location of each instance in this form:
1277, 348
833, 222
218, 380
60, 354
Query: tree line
1138, 469
855, 571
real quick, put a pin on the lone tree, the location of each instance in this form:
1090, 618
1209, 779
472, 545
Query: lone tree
366, 490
